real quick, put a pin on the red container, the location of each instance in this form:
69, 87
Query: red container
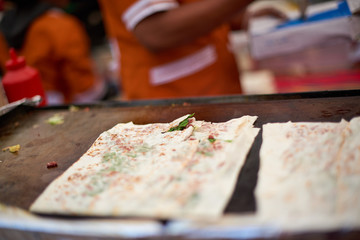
22, 81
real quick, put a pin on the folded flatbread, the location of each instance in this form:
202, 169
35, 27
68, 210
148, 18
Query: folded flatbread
155, 170
310, 175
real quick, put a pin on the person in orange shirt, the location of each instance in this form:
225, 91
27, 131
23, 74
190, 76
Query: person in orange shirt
174, 48
56, 44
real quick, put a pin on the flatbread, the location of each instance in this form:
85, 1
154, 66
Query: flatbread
309, 175
144, 170
348, 175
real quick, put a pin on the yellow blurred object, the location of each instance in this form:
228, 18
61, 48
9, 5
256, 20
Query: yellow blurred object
56, 120
73, 108
12, 149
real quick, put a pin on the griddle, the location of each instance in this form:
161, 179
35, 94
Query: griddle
24, 175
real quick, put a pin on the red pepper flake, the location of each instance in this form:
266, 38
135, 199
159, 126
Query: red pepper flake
52, 164
221, 164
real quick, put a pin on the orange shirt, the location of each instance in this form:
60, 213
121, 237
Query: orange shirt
204, 67
58, 47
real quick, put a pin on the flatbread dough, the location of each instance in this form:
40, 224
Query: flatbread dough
309, 175
144, 170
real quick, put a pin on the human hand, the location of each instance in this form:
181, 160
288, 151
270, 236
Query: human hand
266, 11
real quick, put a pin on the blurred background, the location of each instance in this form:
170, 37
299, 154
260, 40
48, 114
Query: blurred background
319, 51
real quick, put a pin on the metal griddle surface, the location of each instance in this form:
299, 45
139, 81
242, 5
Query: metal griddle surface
23, 176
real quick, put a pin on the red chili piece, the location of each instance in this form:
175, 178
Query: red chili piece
51, 164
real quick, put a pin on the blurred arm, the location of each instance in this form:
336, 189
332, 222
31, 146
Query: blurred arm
178, 26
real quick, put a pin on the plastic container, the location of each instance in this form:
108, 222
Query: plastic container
22, 81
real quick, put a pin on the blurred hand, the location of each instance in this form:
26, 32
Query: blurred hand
241, 21
271, 12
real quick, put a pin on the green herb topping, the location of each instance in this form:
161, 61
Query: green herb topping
182, 125
212, 140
